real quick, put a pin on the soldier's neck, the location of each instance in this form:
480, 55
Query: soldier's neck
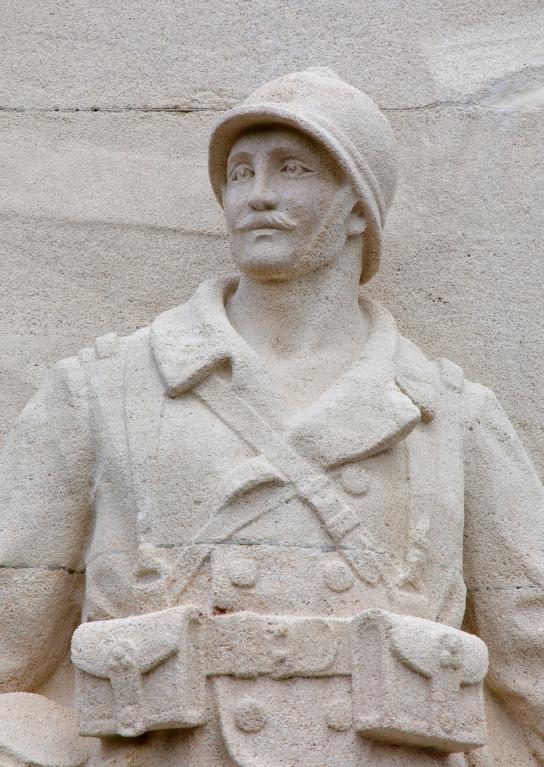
308, 317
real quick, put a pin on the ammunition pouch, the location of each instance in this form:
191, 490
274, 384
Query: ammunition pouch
414, 682
139, 673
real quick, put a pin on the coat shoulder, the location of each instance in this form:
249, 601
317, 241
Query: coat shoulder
479, 404
107, 351
413, 363
110, 347
111, 354
426, 380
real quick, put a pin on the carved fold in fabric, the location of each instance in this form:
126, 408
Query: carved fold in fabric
308, 481
363, 413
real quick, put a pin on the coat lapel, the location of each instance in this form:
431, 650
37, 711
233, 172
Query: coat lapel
190, 341
365, 412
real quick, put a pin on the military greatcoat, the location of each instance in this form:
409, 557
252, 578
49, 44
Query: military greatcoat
127, 488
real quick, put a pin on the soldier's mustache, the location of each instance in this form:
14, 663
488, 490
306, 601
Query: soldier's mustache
269, 220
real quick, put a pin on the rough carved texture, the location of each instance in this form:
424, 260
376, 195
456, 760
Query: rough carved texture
240, 583
108, 218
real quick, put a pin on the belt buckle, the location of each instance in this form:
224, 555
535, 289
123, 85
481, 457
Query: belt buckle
299, 647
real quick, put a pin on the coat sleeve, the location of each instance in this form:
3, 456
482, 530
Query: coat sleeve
504, 560
45, 513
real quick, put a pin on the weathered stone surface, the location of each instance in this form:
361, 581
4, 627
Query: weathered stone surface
107, 219
463, 250
50, 733
90, 242
171, 54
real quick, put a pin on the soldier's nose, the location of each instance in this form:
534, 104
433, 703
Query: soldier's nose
263, 199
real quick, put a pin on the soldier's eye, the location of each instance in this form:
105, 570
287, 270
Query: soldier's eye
294, 168
241, 173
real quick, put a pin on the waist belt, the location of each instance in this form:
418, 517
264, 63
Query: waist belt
414, 681
249, 645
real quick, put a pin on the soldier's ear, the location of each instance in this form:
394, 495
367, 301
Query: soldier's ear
356, 221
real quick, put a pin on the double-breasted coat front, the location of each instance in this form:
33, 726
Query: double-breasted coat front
125, 490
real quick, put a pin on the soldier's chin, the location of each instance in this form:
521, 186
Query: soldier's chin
267, 263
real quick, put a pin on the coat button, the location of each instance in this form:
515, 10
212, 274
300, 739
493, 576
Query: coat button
354, 479
338, 715
243, 572
249, 716
338, 577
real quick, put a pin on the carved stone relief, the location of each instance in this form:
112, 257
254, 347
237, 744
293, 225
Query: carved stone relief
274, 532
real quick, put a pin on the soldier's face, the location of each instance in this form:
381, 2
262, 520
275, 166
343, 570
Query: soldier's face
280, 187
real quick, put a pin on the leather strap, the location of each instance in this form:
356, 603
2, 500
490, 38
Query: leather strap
310, 483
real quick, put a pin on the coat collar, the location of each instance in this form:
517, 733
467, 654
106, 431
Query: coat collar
191, 340
376, 403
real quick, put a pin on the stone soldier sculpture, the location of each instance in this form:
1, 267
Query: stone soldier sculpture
271, 519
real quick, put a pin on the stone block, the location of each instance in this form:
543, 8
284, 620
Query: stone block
174, 55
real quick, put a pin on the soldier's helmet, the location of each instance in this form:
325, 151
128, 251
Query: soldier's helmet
339, 117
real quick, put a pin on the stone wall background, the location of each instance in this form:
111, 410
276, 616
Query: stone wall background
106, 217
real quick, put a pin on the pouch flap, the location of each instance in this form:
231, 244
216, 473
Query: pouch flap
140, 641
427, 647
